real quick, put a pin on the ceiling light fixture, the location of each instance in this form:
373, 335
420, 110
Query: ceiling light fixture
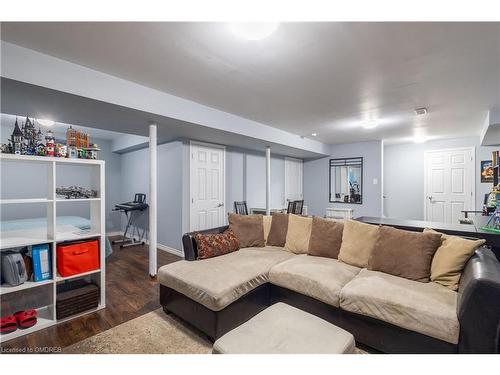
253, 30
370, 124
46, 122
421, 111
314, 134
420, 138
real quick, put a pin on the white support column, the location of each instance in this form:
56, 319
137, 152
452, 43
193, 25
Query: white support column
152, 201
268, 180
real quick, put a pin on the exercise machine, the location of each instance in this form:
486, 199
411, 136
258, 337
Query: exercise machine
132, 210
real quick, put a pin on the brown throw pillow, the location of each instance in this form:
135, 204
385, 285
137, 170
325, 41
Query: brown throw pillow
450, 259
358, 242
326, 238
248, 228
404, 253
212, 245
279, 229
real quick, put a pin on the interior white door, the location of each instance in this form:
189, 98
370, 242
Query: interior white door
207, 172
293, 179
449, 184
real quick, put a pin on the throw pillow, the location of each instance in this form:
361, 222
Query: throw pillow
212, 245
358, 242
279, 228
450, 259
298, 234
248, 228
405, 254
267, 220
326, 237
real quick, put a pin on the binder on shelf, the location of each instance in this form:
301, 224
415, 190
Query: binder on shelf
42, 263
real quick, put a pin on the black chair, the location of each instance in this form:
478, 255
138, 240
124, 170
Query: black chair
240, 208
291, 207
298, 207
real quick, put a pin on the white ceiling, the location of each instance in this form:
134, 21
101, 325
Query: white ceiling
306, 77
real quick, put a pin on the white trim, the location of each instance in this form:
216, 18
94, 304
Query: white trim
212, 145
473, 188
115, 233
171, 250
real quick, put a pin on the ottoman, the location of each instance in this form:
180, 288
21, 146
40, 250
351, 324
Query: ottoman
283, 329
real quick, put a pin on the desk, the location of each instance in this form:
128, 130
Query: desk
262, 211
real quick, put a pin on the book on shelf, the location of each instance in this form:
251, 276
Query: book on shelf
41, 262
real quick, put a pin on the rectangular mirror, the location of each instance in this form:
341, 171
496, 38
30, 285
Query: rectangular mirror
346, 180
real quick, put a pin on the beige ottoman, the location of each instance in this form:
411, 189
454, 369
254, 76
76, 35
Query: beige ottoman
283, 329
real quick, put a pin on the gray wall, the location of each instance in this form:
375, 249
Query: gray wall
404, 175
316, 174
31, 182
135, 179
246, 179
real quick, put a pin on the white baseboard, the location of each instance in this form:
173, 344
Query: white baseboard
160, 246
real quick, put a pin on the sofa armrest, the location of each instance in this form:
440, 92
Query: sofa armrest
189, 243
478, 307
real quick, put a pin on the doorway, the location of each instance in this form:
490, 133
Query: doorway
293, 179
449, 184
207, 186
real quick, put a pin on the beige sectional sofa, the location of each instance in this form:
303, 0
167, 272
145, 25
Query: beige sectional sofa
386, 312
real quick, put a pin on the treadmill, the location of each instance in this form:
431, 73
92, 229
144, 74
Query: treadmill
132, 211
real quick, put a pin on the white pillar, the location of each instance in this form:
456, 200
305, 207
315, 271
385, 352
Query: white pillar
152, 201
268, 180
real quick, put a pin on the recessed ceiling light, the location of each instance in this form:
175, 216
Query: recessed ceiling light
314, 134
253, 30
46, 122
420, 138
370, 124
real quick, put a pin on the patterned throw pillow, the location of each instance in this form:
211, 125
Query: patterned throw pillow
212, 245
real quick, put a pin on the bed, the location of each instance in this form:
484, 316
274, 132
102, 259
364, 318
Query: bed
37, 228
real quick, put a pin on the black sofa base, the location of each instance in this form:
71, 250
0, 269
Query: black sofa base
370, 332
215, 323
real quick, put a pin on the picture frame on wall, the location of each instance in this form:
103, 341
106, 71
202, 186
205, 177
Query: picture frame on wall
486, 171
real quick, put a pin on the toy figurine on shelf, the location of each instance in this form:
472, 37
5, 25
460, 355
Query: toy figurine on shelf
72, 152
49, 144
91, 152
16, 140
60, 150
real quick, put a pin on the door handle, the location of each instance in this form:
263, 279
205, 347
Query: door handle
219, 205
429, 198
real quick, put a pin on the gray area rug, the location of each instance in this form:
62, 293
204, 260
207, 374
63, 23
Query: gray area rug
152, 333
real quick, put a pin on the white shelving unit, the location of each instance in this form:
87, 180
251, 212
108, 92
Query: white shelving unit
53, 234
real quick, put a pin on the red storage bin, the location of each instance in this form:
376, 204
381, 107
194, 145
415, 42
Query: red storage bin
77, 257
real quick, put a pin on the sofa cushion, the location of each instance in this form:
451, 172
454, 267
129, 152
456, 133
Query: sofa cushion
316, 277
404, 253
450, 259
248, 228
358, 242
326, 237
279, 228
267, 221
217, 282
298, 234
215, 244
427, 308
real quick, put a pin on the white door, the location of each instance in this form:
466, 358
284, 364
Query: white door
207, 180
449, 184
293, 180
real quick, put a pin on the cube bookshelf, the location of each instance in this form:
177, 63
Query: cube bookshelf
54, 234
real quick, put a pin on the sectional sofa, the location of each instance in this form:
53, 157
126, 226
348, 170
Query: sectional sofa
390, 314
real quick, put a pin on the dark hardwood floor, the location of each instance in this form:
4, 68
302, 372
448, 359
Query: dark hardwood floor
130, 293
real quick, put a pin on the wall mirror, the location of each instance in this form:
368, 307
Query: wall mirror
346, 180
